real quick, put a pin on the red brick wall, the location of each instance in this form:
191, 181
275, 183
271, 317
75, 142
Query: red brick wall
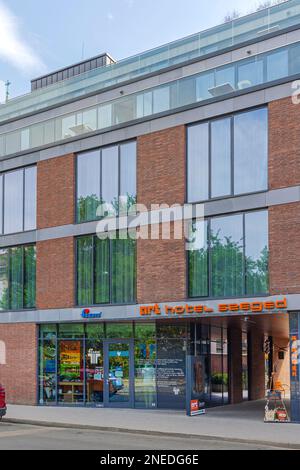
161, 270
284, 239
56, 191
161, 167
161, 264
56, 273
284, 148
19, 375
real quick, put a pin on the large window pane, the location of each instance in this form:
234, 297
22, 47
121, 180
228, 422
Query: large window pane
88, 185
29, 276
13, 202
16, 278
85, 271
251, 151
128, 176
198, 163
250, 73
30, 199
204, 82
227, 256
277, 65
110, 179
4, 277
47, 371
221, 158
198, 261
256, 251
101, 271
123, 270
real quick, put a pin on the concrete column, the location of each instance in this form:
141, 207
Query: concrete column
256, 365
295, 366
235, 365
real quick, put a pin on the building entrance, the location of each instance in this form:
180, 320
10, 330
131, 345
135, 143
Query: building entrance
119, 374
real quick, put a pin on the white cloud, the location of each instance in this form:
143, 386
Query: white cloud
13, 47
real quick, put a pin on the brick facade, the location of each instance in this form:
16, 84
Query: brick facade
161, 269
284, 148
56, 191
19, 374
161, 167
284, 239
56, 273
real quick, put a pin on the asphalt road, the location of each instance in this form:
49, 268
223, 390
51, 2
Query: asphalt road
23, 437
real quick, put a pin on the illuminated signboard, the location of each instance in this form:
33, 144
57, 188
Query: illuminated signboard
244, 307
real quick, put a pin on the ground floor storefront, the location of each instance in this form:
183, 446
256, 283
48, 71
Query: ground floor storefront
152, 363
144, 364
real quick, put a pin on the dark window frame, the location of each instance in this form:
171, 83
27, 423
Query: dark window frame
209, 122
9, 249
209, 261
100, 150
110, 303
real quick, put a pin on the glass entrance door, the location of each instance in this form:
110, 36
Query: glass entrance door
118, 373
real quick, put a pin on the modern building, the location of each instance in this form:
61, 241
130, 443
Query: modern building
210, 123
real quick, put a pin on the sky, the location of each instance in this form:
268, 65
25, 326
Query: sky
37, 37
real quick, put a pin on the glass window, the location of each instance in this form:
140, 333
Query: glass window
250, 73
256, 252
47, 371
16, 278
106, 270
145, 366
70, 372
30, 199
4, 280
161, 99
128, 176
226, 76
198, 260
71, 330
94, 371
85, 271
277, 65
221, 158
13, 202
226, 240
102, 278
198, 162
251, 151
204, 83
88, 185
123, 270
110, 178
119, 330
47, 331
29, 276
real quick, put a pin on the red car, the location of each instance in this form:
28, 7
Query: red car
2, 402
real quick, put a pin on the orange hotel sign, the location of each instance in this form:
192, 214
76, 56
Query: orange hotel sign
279, 305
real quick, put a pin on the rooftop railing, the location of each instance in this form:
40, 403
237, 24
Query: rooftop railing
247, 28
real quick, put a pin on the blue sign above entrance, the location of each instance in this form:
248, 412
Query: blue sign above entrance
87, 315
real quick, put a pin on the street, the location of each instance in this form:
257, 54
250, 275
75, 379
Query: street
25, 437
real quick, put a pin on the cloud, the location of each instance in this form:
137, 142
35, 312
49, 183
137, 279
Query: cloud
13, 47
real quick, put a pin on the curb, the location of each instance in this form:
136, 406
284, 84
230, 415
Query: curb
49, 424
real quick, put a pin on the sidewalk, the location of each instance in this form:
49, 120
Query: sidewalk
238, 423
